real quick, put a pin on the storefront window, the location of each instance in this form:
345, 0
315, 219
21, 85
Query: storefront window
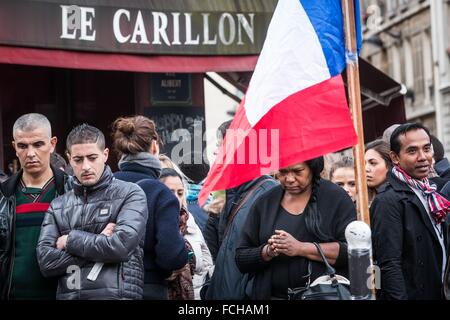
404, 4
418, 64
391, 7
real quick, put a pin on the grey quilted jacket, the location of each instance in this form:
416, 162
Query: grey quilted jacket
82, 214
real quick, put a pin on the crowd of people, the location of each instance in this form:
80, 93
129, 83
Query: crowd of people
77, 230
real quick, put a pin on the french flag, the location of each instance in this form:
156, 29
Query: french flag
295, 108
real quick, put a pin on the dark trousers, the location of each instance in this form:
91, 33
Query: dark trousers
154, 291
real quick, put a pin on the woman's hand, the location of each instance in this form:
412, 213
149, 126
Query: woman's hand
268, 251
284, 243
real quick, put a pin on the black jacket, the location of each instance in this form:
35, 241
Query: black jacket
405, 245
227, 282
446, 191
216, 223
63, 183
337, 211
82, 214
443, 168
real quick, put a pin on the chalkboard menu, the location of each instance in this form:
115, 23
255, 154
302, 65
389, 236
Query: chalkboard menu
171, 89
179, 128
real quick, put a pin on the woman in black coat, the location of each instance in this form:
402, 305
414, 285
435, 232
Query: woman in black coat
276, 243
136, 140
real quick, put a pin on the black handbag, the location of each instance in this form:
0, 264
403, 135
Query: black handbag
329, 286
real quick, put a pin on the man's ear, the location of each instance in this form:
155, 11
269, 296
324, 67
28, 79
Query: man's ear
105, 154
154, 148
13, 143
394, 158
53, 142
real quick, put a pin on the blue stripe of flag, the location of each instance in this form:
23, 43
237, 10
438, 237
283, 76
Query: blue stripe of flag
326, 18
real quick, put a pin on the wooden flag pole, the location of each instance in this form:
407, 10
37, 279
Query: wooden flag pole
354, 92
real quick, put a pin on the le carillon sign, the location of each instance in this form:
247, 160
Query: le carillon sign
187, 27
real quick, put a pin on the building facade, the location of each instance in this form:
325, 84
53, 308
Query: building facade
92, 61
409, 40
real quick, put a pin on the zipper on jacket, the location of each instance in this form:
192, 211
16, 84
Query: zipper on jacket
120, 279
13, 253
85, 198
122, 285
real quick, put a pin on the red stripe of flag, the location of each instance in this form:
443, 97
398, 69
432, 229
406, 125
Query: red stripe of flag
307, 124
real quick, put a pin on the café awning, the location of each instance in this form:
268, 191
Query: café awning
125, 62
134, 35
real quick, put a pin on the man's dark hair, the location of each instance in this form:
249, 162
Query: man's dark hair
83, 134
438, 149
402, 130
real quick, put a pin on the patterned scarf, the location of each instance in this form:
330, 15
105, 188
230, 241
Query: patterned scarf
439, 206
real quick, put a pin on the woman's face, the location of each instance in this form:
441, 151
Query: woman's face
376, 169
295, 179
345, 178
176, 186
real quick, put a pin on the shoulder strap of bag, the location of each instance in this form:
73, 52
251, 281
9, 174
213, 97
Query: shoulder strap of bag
241, 202
330, 270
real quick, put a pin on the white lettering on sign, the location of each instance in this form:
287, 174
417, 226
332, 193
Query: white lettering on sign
116, 25
248, 27
74, 19
231, 29
175, 83
166, 31
70, 21
160, 23
206, 39
139, 30
164, 28
176, 28
188, 29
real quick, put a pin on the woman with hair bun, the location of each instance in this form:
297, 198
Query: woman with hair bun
136, 142
276, 244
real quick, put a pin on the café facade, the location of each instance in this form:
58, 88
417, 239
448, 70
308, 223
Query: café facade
93, 61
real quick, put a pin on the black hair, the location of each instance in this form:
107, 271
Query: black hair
194, 166
169, 172
438, 148
83, 134
312, 213
402, 130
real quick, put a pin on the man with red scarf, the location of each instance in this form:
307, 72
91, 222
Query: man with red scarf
408, 221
